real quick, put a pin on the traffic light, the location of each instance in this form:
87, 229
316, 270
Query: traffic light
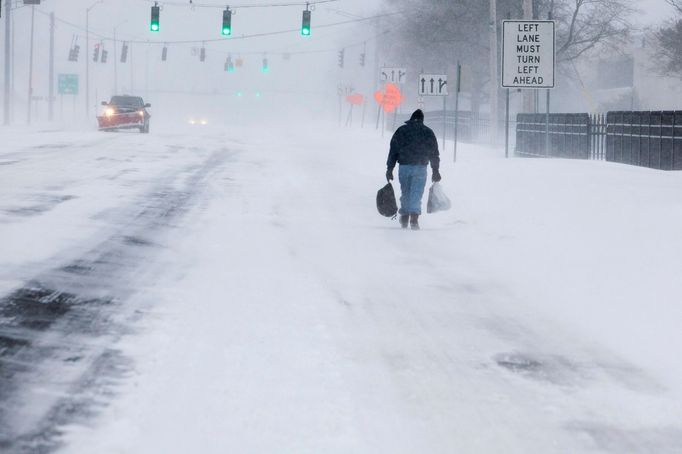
342, 56
265, 68
227, 22
105, 56
305, 26
164, 54
95, 53
202, 54
156, 12
362, 59
124, 53
229, 66
73, 53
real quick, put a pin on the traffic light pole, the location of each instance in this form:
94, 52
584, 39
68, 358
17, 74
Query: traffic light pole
50, 102
87, 62
87, 58
6, 107
29, 102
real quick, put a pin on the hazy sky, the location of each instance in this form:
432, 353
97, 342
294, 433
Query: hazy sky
311, 68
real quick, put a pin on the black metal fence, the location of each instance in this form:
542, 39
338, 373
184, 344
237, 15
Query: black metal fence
472, 127
647, 139
569, 135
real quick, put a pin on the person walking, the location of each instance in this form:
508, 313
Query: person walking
413, 146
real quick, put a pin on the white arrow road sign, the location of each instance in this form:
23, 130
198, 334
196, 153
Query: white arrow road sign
433, 85
393, 75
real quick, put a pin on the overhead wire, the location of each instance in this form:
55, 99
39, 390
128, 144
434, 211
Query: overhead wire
214, 40
191, 4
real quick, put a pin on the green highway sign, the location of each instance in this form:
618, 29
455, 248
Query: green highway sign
68, 84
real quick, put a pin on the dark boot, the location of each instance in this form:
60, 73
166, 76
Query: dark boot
403, 220
414, 221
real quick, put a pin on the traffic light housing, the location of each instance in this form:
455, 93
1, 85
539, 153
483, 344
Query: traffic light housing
227, 22
105, 56
342, 57
266, 67
229, 66
164, 54
73, 53
95, 53
124, 53
156, 13
202, 54
305, 26
362, 59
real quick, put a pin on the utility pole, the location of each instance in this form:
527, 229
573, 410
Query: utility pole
30, 69
13, 71
130, 51
50, 102
528, 95
6, 107
493, 71
87, 57
87, 62
116, 58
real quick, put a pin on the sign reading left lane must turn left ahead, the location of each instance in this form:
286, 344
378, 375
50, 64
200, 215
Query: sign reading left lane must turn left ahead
528, 56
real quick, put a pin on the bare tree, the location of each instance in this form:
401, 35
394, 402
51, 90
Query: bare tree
677, 4
585, 25
667, 41
433, 32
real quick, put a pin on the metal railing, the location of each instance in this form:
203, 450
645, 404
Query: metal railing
647, 139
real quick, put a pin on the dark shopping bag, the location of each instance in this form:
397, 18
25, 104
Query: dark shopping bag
438, 201
386, 204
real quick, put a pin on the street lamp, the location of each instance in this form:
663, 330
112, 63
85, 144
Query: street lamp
116, 59
87, 59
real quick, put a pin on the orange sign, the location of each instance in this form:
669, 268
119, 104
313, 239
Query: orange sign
355, 99
390, 98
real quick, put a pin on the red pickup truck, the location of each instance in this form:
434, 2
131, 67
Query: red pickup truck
124, 112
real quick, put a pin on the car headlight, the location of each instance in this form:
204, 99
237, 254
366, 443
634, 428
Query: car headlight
109, 112
192, 122
141, 112
204, 122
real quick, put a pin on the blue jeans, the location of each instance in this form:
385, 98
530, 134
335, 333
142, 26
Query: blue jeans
412, 184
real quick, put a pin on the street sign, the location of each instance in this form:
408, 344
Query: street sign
433, 85
355, 99
528, 57
390, 98
68, 84
393, 75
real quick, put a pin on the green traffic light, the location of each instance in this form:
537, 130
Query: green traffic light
156, 12
305, 23
227, 22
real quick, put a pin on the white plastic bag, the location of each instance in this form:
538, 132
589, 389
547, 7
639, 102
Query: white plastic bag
438, 201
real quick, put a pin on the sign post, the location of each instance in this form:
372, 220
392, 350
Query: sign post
459, 87
528, 60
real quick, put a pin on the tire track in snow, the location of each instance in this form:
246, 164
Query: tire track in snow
58, 359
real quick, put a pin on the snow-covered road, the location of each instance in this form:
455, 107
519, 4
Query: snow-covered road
230, 290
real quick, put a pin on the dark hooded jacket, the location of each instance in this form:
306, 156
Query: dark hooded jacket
414, 144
